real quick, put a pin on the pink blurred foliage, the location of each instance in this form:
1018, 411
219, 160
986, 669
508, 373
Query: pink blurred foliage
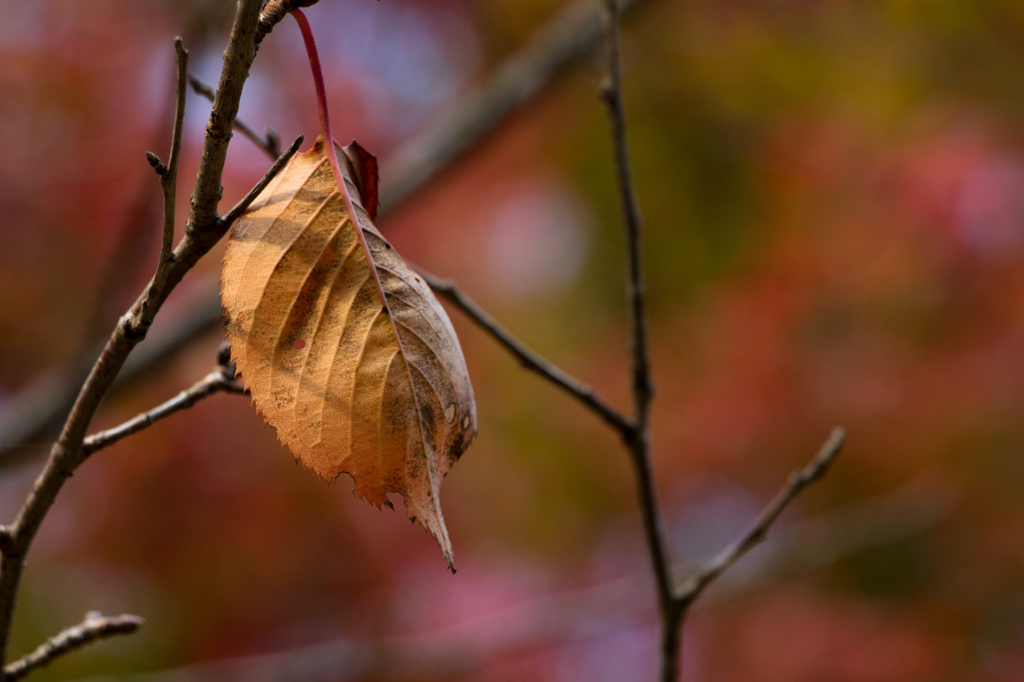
795, 636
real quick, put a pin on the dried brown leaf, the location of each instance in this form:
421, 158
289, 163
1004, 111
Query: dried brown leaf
345, 349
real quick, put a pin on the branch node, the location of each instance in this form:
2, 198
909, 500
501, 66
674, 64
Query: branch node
273, 141
274, 12
156, 163
133, 330
224, 353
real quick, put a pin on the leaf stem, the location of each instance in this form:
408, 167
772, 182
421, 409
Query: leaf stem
332, 152
329, 148
441, 532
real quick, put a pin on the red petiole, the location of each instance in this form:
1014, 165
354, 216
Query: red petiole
321, 101
332, 153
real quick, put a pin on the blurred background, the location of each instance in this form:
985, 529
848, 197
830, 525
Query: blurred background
834, 202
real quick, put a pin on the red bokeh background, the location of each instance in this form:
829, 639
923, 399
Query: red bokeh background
833, 195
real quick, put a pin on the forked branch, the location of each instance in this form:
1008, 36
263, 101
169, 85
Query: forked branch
203, 230
669, 608
673, 606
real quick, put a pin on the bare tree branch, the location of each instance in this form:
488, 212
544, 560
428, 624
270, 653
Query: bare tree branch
799, 480
216, 381
202, 231
94, 628
529, 358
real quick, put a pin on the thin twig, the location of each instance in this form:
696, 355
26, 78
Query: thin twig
669, 608
169, 178
128, 258
94, 628
215, 382
202, 232
271, 144
529, 358
754, 535
280, 163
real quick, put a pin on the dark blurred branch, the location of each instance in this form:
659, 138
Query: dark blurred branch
94, 628
202, 231
271, 144
219, 380
798, 480
529, 358
37, 409
573, 33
